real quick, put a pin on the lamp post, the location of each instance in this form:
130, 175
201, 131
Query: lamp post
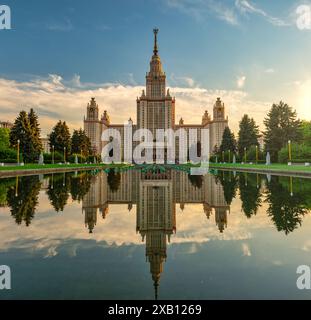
256, 154
64, 154
81, 156
290, 151
53, 154
223, 156
244, 154
18, 143
229, 156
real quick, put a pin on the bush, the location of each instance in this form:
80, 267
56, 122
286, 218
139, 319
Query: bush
58, 157
251, 154
301, 153
72, 158
7, 155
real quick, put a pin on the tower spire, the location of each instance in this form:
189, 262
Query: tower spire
156, 286
155, 49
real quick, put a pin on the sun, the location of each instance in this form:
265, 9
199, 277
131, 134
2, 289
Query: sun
304, 103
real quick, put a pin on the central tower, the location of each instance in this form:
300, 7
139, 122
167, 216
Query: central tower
155, 107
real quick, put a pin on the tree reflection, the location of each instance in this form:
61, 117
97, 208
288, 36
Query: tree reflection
23, 199
196, 180
114, 180
58, 190
285, 209
229, 182
5, 185
250, 193
79, 186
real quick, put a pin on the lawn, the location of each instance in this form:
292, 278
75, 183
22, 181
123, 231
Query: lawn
57, 166
272, 167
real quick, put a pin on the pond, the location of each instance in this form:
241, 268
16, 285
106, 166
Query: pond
140, 234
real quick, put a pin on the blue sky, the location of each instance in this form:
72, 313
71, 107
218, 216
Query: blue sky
244, 47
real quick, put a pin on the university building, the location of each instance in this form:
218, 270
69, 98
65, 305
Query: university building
155, 109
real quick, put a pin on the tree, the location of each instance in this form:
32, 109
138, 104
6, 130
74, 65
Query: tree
305, 129
35, 130
4, 138
281, 126
22, 131
26, 129
80, 142
60, 138
248, 134
228, 141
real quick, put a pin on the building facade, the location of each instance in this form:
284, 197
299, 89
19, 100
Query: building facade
6, 124
155, 109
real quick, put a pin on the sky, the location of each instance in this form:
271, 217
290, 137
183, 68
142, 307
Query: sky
59, 54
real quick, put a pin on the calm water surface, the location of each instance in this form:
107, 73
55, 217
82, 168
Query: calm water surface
140, 235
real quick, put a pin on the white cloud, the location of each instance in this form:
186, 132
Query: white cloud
203, 9
62, 26
182, 81
246, 7
231, 13
241, 82
54, 99
270, 70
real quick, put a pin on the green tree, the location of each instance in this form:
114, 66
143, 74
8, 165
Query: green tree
4, 138
35, 131
60, 138
281, 126
305, 129
22, 131
248, 134
80, 142
228, 141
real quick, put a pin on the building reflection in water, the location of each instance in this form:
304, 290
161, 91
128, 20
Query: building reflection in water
155, 195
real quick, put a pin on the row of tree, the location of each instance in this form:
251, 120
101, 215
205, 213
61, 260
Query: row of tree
62, 142
25, 134
281, 125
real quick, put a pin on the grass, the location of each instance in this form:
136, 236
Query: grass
272, 167
57, 166
278, 166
